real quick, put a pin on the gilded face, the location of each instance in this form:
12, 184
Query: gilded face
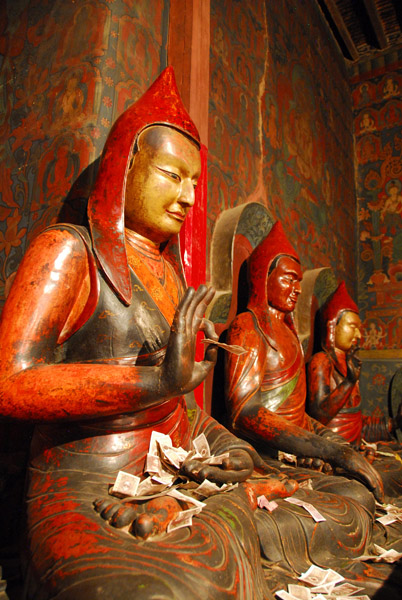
283, 287
161, 183
347, 331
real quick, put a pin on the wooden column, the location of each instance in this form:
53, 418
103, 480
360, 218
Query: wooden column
188, 54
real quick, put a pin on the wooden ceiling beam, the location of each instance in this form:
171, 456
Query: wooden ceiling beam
398, 11
342, 30
375, 21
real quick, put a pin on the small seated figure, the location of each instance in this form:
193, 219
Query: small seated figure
333, 388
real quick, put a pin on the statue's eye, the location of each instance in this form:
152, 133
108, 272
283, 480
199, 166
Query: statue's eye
174, 176
170, 174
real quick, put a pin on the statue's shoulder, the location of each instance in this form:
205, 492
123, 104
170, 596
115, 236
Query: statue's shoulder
65, 241
320, 360
244, 330
242, 323
243, 320
68, 231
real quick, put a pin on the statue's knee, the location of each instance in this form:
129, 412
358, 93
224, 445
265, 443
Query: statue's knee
120, 587
348, 488
358, 492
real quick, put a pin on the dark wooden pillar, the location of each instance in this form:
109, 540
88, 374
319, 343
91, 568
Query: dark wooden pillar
188, 54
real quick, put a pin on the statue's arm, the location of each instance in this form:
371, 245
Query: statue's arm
52, 279
243, 373
325, 401
249, 416
262, 425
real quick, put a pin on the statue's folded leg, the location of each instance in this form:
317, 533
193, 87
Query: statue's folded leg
290, 535
333, 484
390, 469
75, 554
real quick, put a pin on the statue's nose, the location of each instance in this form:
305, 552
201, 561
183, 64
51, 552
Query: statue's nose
187, 192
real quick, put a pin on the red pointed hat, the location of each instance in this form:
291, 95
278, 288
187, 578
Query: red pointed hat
259, 263
160, 105
337, 303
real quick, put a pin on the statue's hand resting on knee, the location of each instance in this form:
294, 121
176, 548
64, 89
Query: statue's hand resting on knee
235, 468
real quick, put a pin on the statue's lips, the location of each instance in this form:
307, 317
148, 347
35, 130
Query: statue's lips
176, 215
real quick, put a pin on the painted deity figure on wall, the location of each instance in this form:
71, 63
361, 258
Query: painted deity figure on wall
393, 202
373, 337
391, 88
334, 394
367, 123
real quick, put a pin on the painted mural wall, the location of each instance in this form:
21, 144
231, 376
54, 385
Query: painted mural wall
377, 105
280, 126
68, 69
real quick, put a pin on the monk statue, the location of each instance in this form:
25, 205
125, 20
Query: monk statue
334, 394
98, 342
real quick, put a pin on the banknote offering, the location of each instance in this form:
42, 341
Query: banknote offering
324, 589
163, 464
317, 576
126, 484
263, 502
346, 589
239, 350
388, 513
307, 484
201, 446
208, 488
299, 591
327, 585
285, 457
317, 516
284, 595
381, 555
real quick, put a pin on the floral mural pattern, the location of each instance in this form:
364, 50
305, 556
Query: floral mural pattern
67, 71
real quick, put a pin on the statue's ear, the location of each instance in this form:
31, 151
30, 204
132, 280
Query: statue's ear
330, 340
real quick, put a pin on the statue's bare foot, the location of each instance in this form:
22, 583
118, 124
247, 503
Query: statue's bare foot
117, 513
143, 521
316, 464
158, 513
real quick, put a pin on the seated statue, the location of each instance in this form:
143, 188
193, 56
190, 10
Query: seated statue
98, 342
334, 394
